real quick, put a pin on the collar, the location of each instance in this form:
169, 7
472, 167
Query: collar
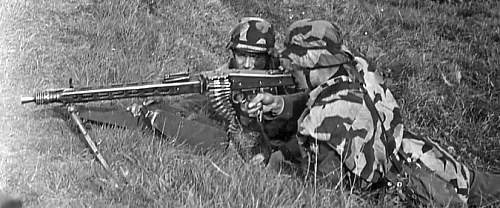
314, 93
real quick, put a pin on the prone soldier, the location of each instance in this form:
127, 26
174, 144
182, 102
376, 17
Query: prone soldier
350, 125
192, 120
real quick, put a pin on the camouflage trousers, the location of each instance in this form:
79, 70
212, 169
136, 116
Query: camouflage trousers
428, 175
475, 187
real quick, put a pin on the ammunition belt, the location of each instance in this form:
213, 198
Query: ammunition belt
219, 96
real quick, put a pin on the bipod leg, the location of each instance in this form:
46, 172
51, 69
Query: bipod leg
93, 147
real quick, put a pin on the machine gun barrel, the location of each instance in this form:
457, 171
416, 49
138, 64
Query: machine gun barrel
133, 90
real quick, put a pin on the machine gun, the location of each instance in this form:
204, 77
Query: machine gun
223, 88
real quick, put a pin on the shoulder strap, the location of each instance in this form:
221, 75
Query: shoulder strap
396, 162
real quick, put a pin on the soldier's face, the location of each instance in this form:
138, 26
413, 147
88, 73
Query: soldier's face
250, 61
295, 71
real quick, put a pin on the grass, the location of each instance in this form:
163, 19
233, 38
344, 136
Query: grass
440, 59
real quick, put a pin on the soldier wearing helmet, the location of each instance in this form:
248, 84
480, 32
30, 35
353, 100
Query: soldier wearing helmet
252, 45
351, 125
192, 120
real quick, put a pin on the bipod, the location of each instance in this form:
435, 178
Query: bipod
90, 143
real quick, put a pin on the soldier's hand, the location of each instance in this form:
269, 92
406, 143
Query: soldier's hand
136, 109
264, 103
139, 109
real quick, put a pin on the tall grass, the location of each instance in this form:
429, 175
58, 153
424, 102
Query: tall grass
440, 59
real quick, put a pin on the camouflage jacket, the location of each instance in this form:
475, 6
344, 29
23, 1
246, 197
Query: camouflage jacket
354, 114
359, 118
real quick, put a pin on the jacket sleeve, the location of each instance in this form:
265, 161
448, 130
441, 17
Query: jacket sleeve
293, 106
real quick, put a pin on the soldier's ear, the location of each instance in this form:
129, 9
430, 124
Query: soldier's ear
232, 63
274, 58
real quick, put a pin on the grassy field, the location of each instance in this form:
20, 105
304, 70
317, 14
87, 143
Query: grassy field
441, 61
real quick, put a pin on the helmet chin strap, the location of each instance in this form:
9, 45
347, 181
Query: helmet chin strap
307, 74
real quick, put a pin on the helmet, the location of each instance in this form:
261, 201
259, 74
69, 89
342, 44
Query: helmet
315, 44
252, 35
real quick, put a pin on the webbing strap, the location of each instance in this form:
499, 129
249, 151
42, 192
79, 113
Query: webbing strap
391, 155
307, 74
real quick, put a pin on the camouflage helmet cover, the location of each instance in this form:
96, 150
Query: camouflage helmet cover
314, 44
253, 35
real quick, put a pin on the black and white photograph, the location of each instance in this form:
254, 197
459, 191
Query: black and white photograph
250, 103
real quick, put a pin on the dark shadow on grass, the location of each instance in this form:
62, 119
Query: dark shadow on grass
11, 203
110, 118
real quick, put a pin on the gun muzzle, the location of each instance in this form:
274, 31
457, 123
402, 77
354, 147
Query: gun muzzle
29, 99
44, 97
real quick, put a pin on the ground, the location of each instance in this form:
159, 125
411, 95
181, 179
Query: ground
440, 60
